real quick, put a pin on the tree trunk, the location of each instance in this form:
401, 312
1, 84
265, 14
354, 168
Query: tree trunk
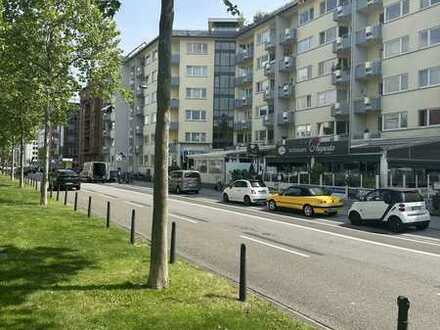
22, 161
12, 163
45, 177
158, 277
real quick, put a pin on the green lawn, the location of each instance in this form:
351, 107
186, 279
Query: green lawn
60, 270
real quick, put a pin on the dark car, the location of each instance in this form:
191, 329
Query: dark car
65, 180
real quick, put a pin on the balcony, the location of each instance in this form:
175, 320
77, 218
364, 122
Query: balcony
369, 70
342, 46
175, 59
243, 79
369, 35
244, 102
268, 120
342, 14
286, 91
288, 64
139, 92
268, 95
367, 104
139, 72
288, 37
366, 6
174, 104
139, 110
341, 78
244, 124
340, 109
286, 118
175, 82
244, 55
270, 45
269, 69
139, 130
174, 125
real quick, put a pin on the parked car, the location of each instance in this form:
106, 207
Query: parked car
398, 208
95, 172
309, 200
64, 180
246, 191
184, 181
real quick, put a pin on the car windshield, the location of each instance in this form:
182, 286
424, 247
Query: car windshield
258, 184
66, 173
194, 175
412, 197
99, 169
319, 191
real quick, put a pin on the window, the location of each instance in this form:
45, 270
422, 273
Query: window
326, 128
155, 55
147, 120
429, 117
327, 5
305, 44
325, 67
154, 97
304, 102
306, 16
153, 119
147, 59
263, 111
197, 71
396, 10
395, 121
195, 115
304, 73
147, 99
261, 60
196, 93
197, 48
396, 83
429, 37
427, 3
327, 36
303, 130
327, 97
153, 76
397, 46
195, 137
429, 77
259, 87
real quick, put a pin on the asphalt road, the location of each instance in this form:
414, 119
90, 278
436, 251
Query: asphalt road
328, 271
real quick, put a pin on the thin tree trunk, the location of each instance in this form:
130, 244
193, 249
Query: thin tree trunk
45, 177
158, 278
12, 163
22, 161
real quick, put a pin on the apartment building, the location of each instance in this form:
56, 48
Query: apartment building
202, 95
354, 85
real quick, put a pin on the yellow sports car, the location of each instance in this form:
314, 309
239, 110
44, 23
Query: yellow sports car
310, 200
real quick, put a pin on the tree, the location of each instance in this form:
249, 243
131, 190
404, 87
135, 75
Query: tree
158, 276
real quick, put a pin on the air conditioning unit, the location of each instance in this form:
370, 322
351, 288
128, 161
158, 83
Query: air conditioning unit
285, 115
286, 88
266, 117
338, 74
371, 2
368, 32
339, 9
339, 41
287, 61
367, 101
287, 33
368, 66
244, 98
337, 106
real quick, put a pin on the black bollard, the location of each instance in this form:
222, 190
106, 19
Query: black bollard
403, 306
133, 227
242, 295
58, 193
75, 203
65, 197
89, 208
173, 244
107, 224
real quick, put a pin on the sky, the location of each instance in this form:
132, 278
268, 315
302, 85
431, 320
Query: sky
138, 20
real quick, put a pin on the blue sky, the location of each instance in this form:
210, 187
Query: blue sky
138, 20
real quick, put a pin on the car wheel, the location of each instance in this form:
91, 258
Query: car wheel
395, 225
178, 191
355, 218
247, 200
225, 198
422, 225
272, 205
308, 211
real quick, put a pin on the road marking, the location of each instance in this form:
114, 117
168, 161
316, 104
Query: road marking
183, 218
137, 204
275, 247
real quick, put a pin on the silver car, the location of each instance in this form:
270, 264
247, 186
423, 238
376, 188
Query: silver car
184, 181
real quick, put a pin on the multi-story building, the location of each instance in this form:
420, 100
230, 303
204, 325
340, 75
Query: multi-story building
202, 94
70, 137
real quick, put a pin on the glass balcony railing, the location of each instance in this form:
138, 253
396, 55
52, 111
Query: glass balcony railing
288, 64
286, 118
341, 77
342, 46
342, 13
340, 109
286, 91
369, 35
288, 36
369, 70
367, 6
243, 79
367, 104
244, 55
244, 102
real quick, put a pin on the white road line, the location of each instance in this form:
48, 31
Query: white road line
136, 204
422, 237
275, 246
183, 218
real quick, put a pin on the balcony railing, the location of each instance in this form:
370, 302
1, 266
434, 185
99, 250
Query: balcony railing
286, 91
269, 69
175, 81
244, 102
174, 104
368, 70
367, 104
340, 109
240, 125
268, 120
367, 136
366, 6
341, 77
342, 46
139, 131
288, 36
175, 59
270, 44
286, 118
268, 95
174, 125
244, 55
243, 79
369, 35
288, 64
342, 13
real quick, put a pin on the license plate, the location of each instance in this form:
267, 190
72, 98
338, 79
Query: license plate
416, 208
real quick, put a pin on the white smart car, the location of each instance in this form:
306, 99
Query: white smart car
246, 191
399, 208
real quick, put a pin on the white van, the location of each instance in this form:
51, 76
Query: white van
95, 172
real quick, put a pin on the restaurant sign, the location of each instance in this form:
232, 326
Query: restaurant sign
313, 147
